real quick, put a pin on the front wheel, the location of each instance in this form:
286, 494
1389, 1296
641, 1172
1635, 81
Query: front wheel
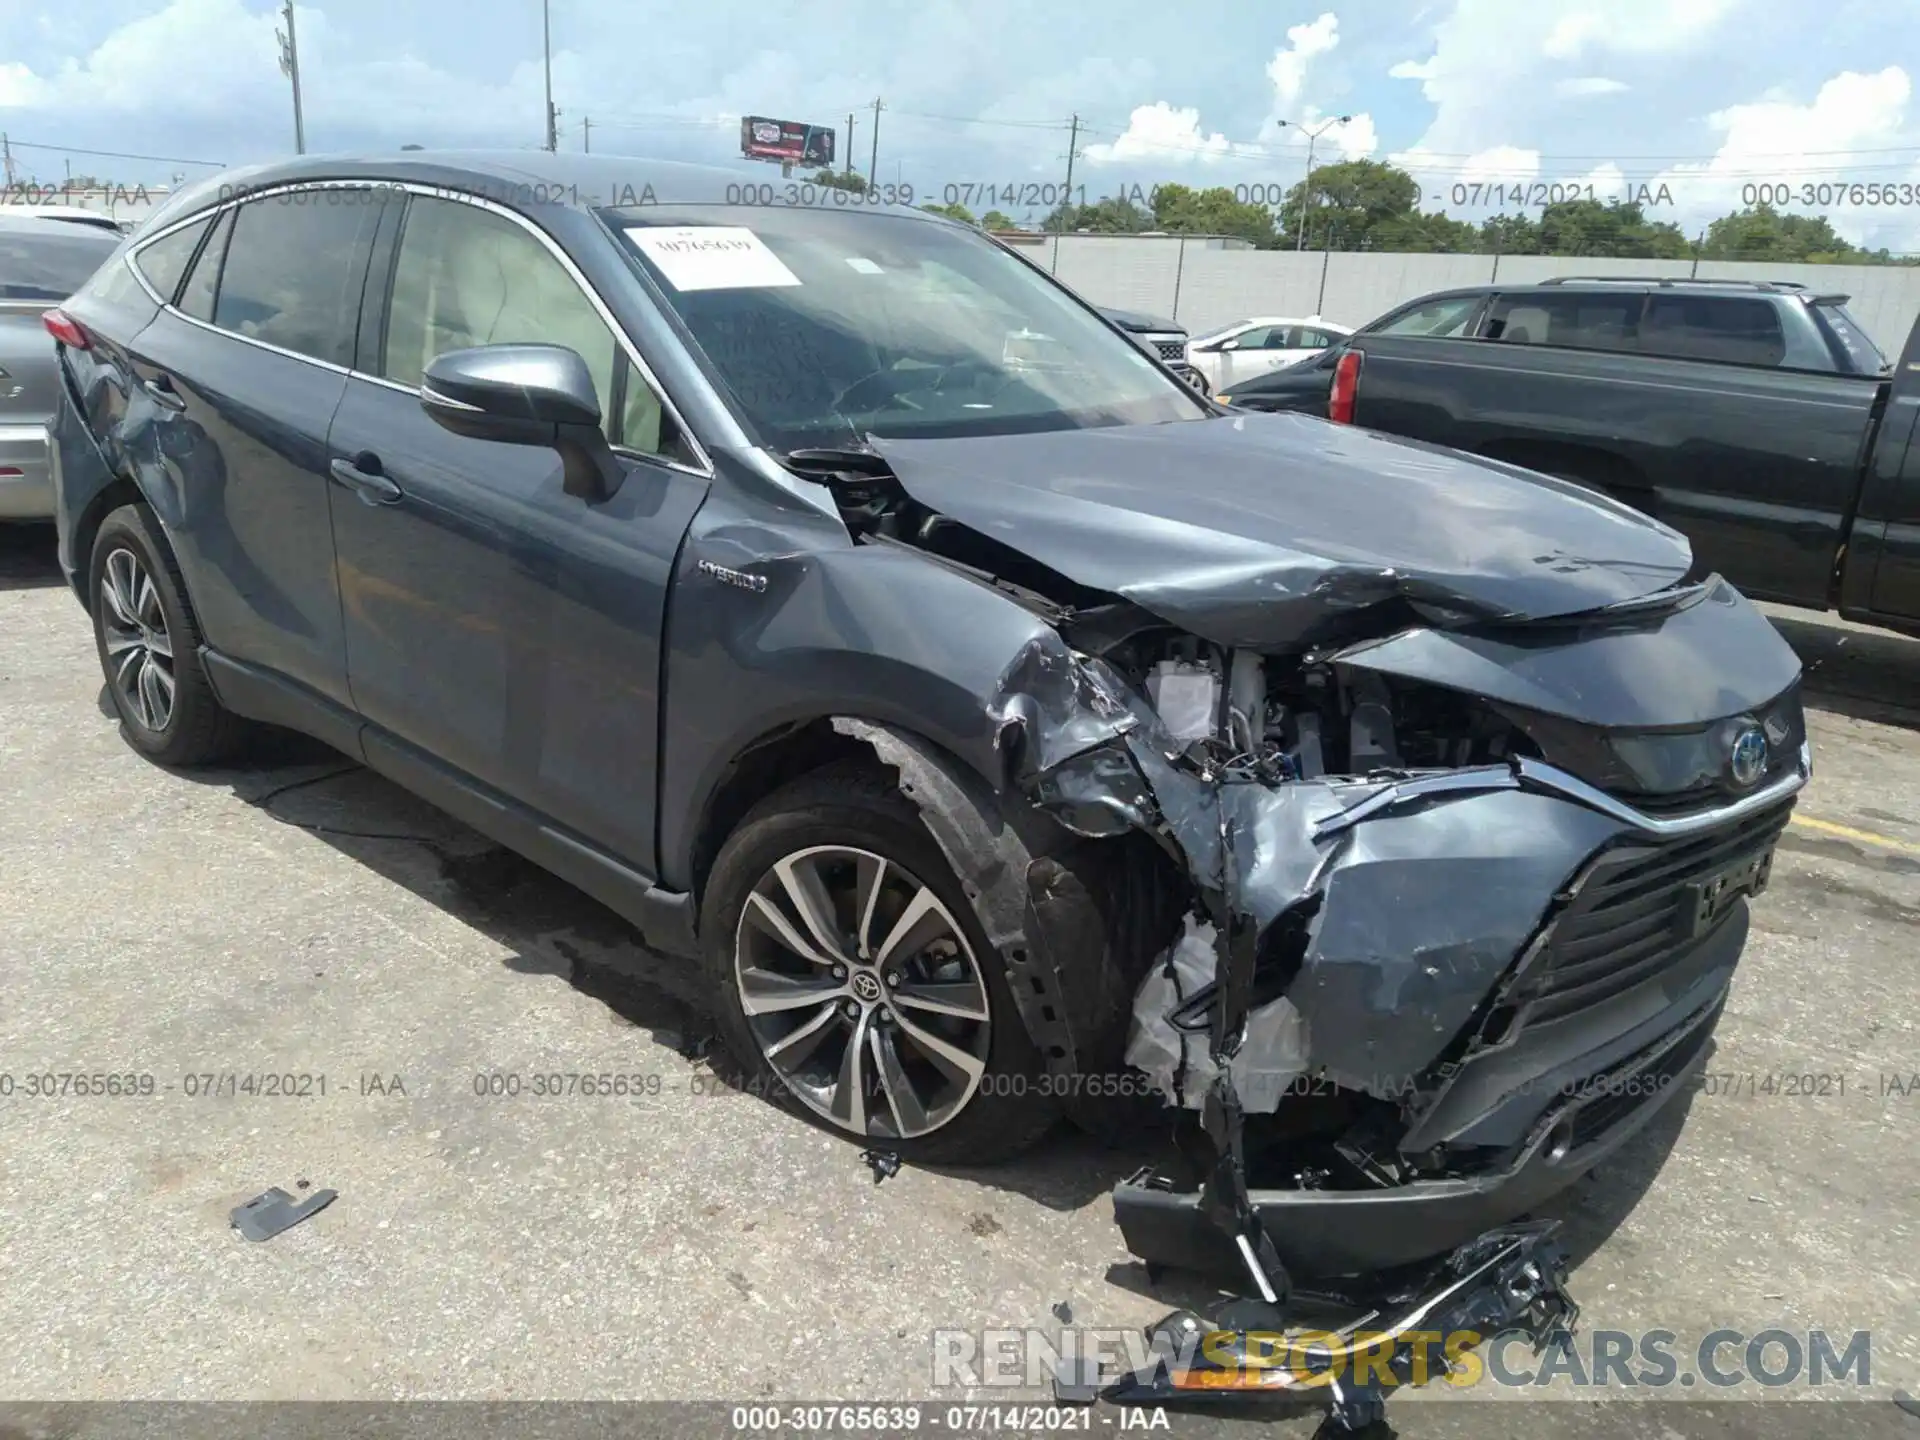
853, 977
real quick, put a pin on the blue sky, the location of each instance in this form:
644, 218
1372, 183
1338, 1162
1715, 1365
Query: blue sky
1705, 97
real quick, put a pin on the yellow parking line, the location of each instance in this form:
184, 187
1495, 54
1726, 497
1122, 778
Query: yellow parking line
1847, 832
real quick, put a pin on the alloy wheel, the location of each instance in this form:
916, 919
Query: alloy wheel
863, 992
139, 648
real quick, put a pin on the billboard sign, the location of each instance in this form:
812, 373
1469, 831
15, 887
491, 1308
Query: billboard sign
788, 141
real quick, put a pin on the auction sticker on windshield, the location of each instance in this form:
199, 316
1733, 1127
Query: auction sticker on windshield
711, 257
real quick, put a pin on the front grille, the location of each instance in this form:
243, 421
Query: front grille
1171, 349
1641, 907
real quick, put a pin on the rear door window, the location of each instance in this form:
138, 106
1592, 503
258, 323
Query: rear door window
1732, 329
1576, 321
165, 261
294, 269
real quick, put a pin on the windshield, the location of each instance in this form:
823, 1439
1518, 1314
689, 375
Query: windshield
825, 327
1862, 353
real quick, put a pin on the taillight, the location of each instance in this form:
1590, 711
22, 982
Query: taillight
67, 330
1346, 380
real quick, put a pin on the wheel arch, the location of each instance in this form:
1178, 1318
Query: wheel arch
1075, 921
115, 493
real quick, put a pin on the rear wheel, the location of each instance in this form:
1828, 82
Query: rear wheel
149, 641
853, 977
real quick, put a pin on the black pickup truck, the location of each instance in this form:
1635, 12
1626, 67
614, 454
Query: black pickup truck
1758, 419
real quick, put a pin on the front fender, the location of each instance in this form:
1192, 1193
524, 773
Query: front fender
837, 629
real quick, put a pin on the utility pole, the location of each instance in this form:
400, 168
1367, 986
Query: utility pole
1306, 185
846, 159
290, 67
546, 58
873, 158
6, 152
586, 133
1066, 200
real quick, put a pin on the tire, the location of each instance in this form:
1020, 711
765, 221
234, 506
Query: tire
167, 708
820, 826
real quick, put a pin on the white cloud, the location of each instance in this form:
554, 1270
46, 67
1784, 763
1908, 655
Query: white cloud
1845, 137
1634, 26
1492, 70
1584, 85
1162, 132
1288, 68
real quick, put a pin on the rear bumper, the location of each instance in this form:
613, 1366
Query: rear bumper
1598, 1099
26, 473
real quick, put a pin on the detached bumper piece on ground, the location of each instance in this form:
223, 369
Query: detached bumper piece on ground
1396, 1333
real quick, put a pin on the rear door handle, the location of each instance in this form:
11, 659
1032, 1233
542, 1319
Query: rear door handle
161, 391
362, 476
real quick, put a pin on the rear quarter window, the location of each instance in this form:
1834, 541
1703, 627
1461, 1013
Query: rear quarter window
1863, 356
1732, 329
164, 262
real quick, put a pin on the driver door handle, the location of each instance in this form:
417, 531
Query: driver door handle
363, 476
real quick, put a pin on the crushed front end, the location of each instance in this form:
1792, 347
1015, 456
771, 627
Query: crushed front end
1447, 950
1466, 777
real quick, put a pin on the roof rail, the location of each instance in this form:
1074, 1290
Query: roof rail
1670, 280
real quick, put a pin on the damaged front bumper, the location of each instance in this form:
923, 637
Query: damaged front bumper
1406, 1330
1627, 930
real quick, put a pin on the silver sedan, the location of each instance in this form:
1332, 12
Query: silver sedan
42, 262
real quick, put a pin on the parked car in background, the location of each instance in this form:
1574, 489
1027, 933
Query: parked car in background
69, 214
42, 262
1165, 340
1248, 348
1758, 419
719, 559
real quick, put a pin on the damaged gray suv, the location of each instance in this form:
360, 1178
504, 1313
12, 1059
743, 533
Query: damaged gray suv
1005, 729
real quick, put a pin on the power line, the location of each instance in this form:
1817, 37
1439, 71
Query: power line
117, 154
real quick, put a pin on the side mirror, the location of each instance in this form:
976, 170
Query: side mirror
526, 395
1228, 345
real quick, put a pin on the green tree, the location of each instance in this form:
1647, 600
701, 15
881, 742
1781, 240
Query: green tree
1763, 233
1182, 210
1111, 215
1593, 227
994, 220
1510, 235
952, 212
1420, 232
1346, 200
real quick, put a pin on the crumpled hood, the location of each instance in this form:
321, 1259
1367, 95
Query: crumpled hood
1274, 530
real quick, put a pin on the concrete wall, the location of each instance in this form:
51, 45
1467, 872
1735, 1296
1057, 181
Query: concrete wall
1203, 286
